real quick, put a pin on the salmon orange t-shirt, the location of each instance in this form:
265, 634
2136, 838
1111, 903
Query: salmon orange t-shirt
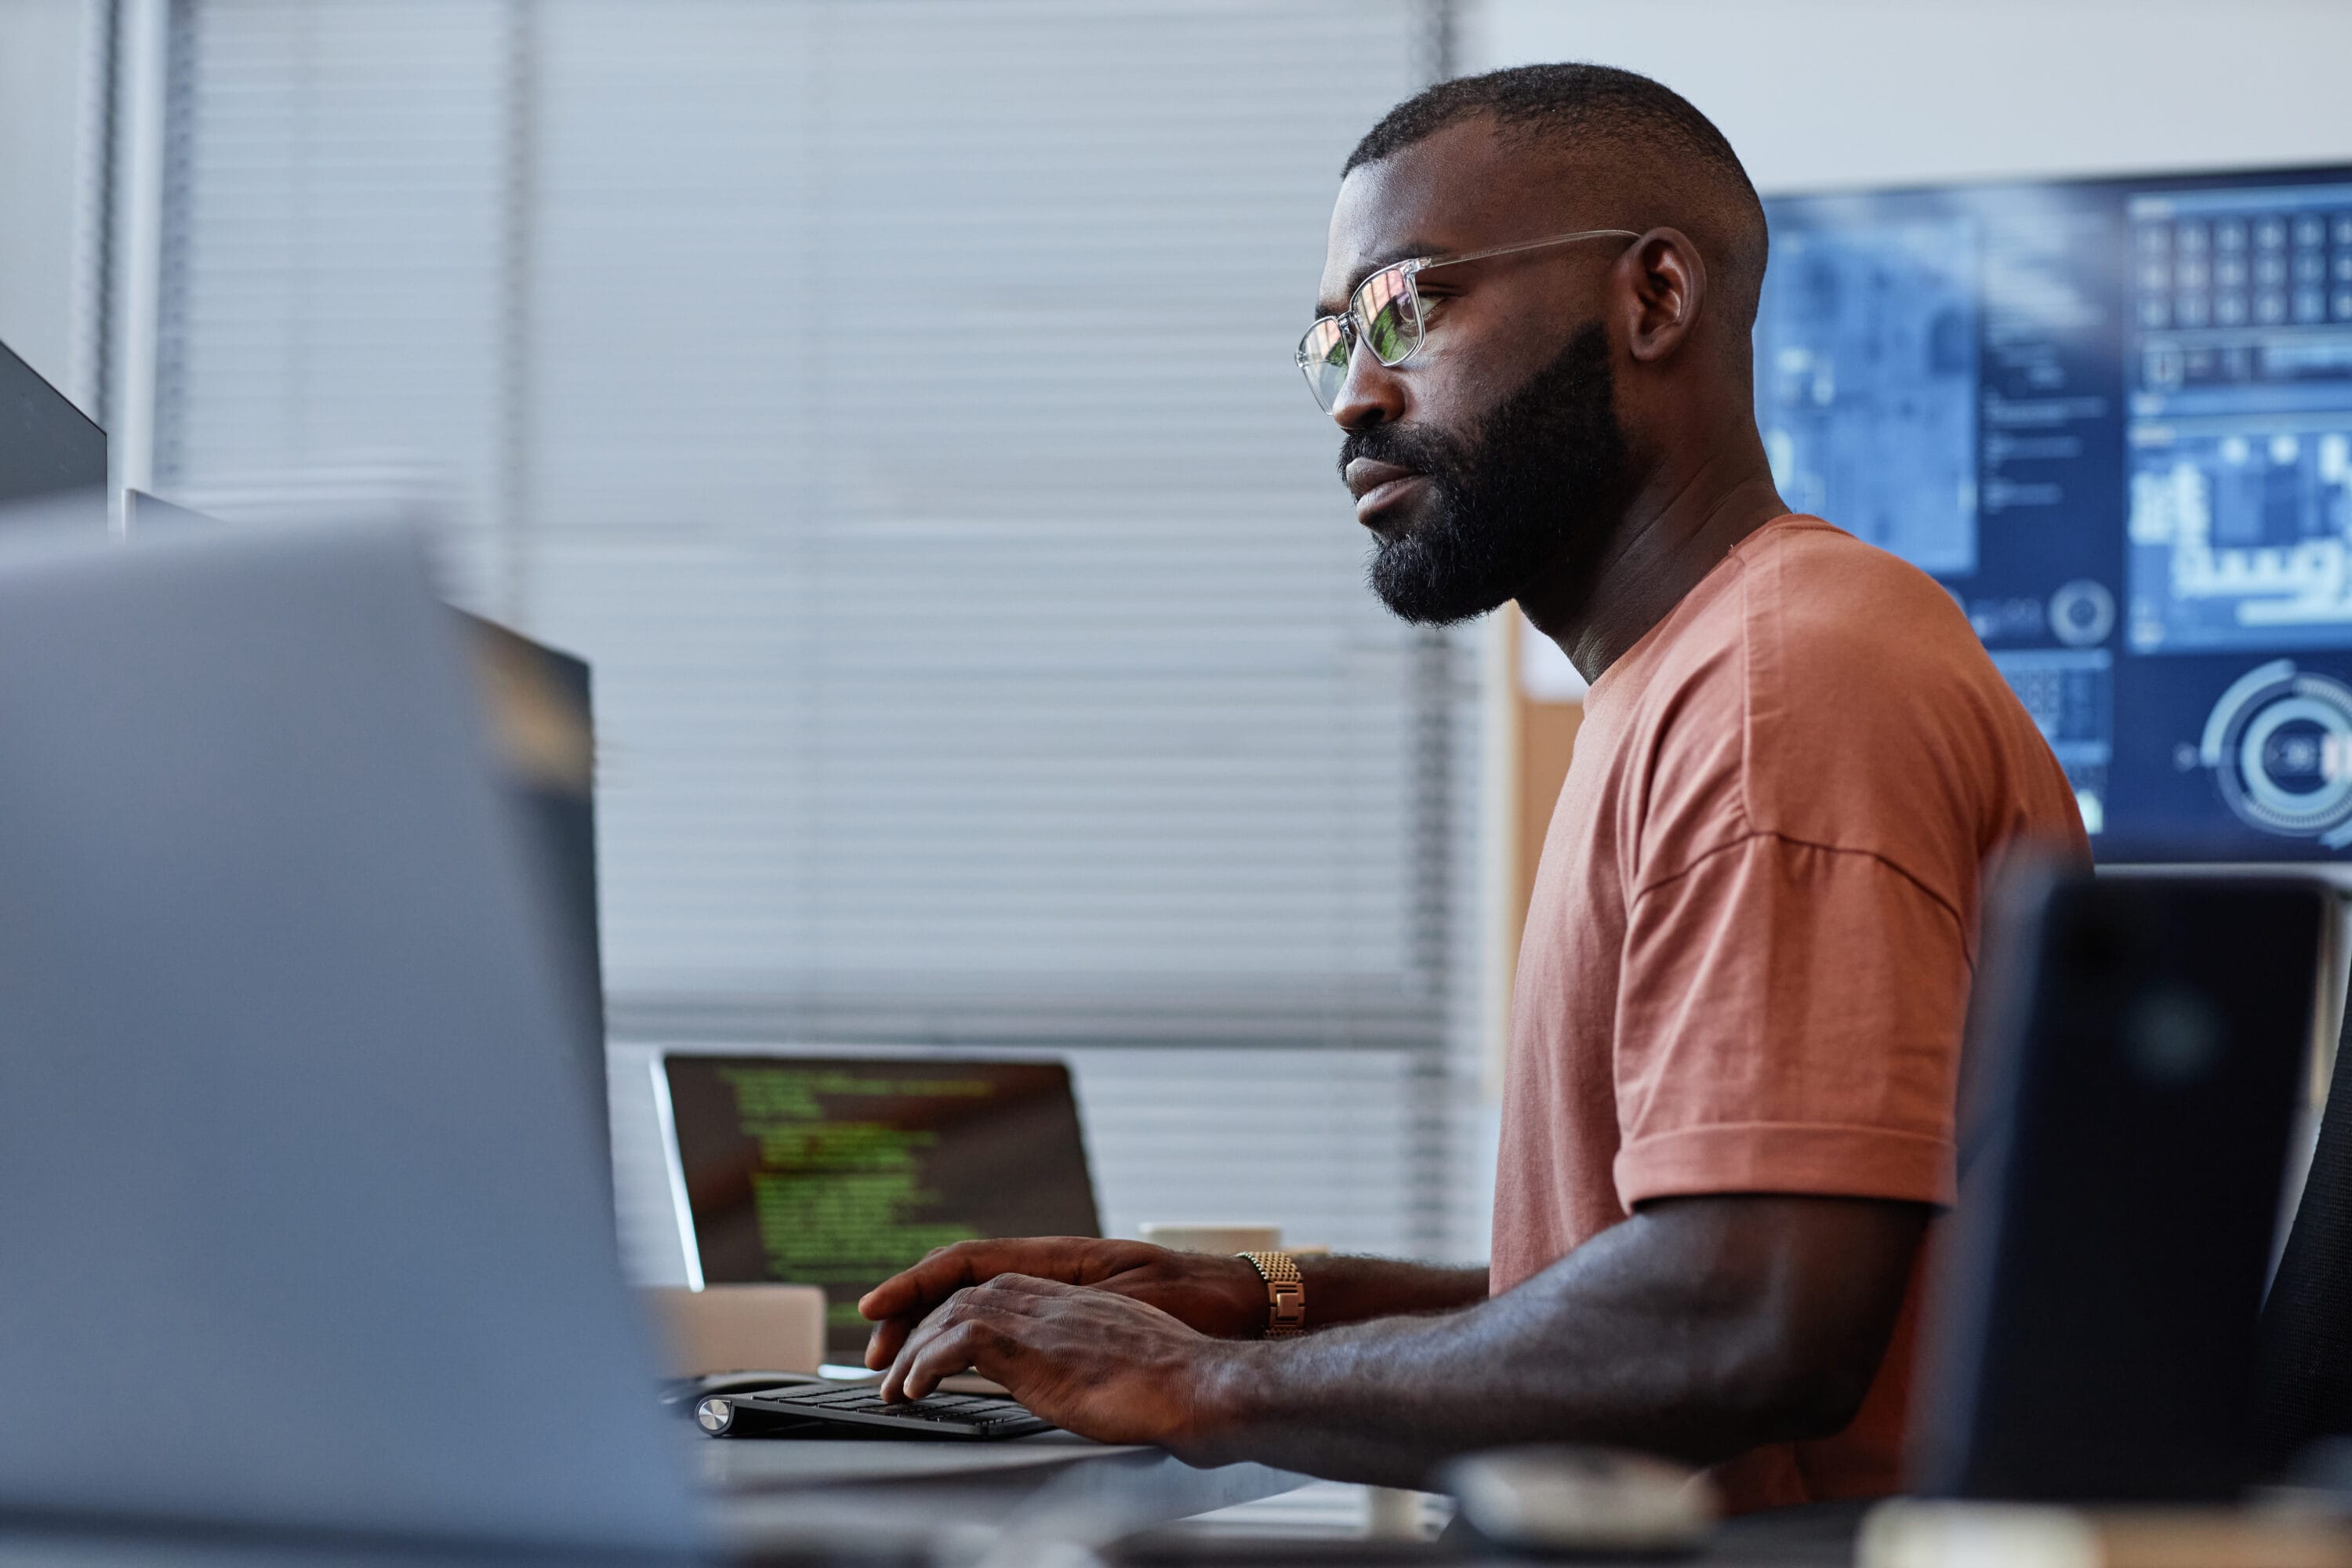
1747, 955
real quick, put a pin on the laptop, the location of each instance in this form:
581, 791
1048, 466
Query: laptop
840, 1171
301, 1193
49, 446
543, 737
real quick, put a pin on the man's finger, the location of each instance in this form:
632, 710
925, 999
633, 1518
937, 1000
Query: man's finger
1010, 1290
993, 1310
950, 1268
943, 1320
889, 1335
931, 1281
974, 1343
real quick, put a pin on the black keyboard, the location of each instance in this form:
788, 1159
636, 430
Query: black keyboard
808, 1411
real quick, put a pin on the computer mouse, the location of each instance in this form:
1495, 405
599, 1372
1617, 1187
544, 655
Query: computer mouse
1568, 1498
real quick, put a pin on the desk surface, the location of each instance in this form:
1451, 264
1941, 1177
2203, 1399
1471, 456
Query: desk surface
772, 1490
798, 1499
731, 1466
1803, 1538
1819, 1535
782, 1499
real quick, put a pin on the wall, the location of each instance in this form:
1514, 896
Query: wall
41, 82
1838, 92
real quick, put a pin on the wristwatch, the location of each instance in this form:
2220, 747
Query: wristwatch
1285, 1293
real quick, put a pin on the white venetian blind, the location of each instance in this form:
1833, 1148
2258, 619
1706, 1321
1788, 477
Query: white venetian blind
892, 400
336, 230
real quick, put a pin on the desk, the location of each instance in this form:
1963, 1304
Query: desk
1799, 1538
1817, 1535
804, 1491
782, 1500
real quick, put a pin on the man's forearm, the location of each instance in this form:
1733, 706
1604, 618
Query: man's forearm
1350, 1290
1658, 1335
1383, 1402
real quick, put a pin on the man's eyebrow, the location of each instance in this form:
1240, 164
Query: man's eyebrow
1411, 250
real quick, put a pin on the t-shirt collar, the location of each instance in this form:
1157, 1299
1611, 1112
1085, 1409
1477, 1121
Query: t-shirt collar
1649, 640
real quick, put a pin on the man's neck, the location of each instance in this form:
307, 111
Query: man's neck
1677, 530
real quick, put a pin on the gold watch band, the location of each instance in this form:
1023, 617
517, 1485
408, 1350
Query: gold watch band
1285, 1293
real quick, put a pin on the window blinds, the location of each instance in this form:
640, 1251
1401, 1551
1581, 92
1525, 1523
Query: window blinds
892, 399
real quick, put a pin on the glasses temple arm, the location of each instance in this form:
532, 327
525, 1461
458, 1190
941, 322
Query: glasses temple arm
1529, 244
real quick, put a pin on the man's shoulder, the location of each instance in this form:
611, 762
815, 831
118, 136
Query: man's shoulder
1806, 622
1828, 692
1841, 621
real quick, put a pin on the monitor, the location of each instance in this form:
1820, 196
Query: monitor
839, 1171
47, 447
2114, 418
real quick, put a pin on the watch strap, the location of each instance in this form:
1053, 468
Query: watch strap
1285, 1293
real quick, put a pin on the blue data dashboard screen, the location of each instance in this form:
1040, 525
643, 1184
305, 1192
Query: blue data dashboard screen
2114, 418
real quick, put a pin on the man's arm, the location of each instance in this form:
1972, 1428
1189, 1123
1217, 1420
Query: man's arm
1220, 1295
1347, 1290
1699, 1328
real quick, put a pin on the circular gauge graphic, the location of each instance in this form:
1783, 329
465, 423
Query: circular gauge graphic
2082, 614
2280, 745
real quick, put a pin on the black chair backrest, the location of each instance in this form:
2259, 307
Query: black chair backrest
2138, 1045
2307, 1333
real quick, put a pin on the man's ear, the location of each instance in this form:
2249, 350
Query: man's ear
1665, 282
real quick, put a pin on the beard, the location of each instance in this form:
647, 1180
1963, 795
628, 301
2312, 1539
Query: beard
1525, 487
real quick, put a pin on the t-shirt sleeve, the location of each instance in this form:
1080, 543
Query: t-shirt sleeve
1789, 1021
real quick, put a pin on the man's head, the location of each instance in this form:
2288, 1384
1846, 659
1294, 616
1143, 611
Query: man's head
1554, 383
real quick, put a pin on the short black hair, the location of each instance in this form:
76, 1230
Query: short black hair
1573, 105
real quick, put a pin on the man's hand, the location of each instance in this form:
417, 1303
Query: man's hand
1103, 1365
1224, 1297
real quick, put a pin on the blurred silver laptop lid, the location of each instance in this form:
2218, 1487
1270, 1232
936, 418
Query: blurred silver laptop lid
300, 1223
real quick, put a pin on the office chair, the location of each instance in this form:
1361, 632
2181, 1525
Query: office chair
2306, 1391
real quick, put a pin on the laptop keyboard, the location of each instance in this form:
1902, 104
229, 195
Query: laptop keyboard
957, 1416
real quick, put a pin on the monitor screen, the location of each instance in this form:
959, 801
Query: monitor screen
2114, 418
840, 1172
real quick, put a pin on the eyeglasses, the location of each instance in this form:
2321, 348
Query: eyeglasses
1385, 314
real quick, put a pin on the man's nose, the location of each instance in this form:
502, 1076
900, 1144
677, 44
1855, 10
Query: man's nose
1371, 394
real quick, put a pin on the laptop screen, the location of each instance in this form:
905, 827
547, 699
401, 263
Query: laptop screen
839, 1171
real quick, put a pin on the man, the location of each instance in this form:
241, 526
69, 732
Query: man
1728, 1113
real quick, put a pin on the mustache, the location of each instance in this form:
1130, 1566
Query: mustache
1423, 451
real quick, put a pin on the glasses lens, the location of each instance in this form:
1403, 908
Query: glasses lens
1388, 313
1323, 355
